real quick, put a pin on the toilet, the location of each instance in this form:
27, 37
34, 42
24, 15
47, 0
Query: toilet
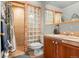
36, 46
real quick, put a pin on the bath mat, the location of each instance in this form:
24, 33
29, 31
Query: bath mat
22, 56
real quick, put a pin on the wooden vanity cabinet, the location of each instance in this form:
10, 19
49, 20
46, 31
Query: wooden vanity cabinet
49, 50
55, 48
58, 48
70, 51
52, 47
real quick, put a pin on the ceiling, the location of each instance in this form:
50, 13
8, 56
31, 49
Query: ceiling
62, 4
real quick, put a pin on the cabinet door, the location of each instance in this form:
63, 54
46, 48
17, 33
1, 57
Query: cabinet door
70, 51
66, 51
74, 51
49, 51
58, 48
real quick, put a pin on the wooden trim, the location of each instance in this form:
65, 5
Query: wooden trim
54, 11
20, 2
26, 27
58, 12
33, 6
17, 4
50, 10
69, 22
54, 18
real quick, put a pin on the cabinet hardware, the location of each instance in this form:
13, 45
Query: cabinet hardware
56, 42
73, 56
52, 41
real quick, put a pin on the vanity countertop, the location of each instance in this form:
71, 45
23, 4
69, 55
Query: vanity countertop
73, 40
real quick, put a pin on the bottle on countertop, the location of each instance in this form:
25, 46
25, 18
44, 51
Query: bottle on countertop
56, 29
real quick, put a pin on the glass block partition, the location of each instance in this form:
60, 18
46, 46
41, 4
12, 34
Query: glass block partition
52, 17
49, 17
34, 24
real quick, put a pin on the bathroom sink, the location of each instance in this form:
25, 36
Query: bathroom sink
64, 37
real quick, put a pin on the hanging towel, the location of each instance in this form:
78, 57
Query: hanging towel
4, 38
4, 43
10, 29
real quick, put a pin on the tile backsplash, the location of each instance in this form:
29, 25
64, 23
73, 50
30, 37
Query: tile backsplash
70, 29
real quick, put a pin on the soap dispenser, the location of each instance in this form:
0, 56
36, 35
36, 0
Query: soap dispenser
56, 29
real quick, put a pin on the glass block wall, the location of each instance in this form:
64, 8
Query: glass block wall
49, 17
34, 24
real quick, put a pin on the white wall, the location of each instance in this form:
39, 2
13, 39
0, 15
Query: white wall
51, 7
68, 11
67, 14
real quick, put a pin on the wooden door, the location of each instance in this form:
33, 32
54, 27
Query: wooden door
70, 51
58, 48
18, 13
49, 51
66, 50
74, 51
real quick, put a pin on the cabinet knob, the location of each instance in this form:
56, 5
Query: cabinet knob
56, 42
52, 41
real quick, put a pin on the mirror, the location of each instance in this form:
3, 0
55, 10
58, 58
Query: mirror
74, 17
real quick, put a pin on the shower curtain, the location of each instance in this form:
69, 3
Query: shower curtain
10, 26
